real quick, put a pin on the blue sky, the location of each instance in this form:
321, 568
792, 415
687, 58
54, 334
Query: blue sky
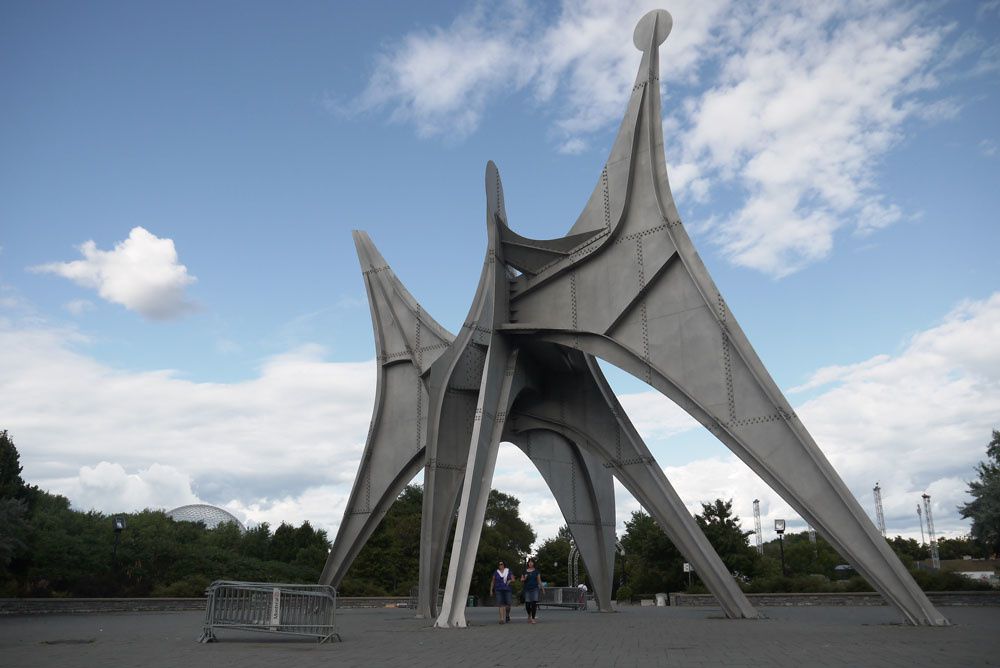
836, 166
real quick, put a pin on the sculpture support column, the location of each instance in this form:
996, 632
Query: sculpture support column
585, 492
499, 388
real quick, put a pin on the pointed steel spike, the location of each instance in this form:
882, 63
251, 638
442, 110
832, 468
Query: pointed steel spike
394, 451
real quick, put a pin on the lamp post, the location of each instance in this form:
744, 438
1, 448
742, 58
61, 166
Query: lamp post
779, 528
119, 525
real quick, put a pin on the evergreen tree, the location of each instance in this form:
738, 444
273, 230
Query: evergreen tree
984, 509
11, 484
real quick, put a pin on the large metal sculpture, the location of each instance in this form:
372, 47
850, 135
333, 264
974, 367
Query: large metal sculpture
625, 285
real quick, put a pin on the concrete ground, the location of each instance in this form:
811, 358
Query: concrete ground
800, 637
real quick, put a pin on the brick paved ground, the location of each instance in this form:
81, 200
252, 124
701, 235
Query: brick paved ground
799, 637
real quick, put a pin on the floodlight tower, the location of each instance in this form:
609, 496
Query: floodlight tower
935, 557
756, 522
880, 516
920, 519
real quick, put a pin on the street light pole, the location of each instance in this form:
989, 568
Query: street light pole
119, 526
779, 528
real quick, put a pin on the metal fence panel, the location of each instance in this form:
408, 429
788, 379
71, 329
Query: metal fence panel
296, 609
563, 597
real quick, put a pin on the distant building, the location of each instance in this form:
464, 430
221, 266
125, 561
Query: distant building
987, 570
210, 516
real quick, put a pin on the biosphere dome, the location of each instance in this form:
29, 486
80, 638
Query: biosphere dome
210, 516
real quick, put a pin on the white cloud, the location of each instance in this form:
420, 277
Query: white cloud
109, 486
988, 147
917, 421
114, 440
805, 100
142, 274
285, 445
655, 416
79, 306
442, 80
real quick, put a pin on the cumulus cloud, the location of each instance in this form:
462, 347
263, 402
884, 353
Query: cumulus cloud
156, 486
142, 274
803, 101
802, 110
113, 440
285, 445
441, 79
915, 421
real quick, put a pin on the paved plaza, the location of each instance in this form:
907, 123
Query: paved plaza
833, 636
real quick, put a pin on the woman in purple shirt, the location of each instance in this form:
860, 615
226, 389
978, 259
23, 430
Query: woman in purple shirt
500, 583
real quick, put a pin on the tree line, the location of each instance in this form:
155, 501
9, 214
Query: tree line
49, 549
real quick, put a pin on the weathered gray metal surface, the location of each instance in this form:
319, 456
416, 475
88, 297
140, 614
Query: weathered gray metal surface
579, 479
626, 285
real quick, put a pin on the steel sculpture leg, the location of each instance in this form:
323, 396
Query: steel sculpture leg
635, 292
499, 388
585, 410
444, 475
394, 452
585, 492
407, 341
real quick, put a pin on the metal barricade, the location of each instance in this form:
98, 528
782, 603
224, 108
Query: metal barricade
573, 598
305, 610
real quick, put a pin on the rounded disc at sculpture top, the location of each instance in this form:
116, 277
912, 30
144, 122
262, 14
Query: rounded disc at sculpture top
659, 20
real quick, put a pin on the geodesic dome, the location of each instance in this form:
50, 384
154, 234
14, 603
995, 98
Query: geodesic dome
210, 516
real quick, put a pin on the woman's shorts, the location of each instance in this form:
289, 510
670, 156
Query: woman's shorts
531, 596
503, 597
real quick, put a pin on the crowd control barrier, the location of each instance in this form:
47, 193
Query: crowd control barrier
563, 597
304, 610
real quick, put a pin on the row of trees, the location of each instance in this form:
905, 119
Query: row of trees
389, 562
46, 548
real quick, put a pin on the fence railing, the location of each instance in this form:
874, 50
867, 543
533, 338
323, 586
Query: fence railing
563, 597
304, 610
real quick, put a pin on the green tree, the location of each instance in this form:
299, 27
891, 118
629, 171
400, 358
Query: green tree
984, 509
13, 532
389, 563
505, 536
957, 548
730, 541
908, 550
552, 556
13, 509
11, 484
283, 547
255, 542
802, 556
654, 564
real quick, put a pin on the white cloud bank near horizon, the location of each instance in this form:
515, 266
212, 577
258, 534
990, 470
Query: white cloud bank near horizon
795, 106
285, 445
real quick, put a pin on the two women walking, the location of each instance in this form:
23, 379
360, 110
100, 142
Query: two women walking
500, 585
